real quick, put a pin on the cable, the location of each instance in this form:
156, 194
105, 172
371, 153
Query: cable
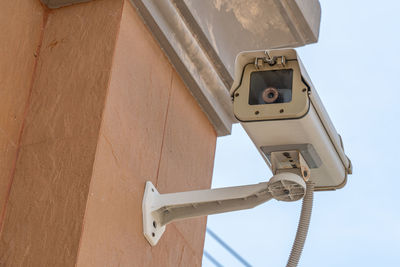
212, 259
302, 228
227, 247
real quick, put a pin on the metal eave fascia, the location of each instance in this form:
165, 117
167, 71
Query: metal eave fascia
191, 61
61, 3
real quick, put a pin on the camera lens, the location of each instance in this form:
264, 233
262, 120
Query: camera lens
270, 94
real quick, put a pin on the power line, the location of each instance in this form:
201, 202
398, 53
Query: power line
228, 248
212, 259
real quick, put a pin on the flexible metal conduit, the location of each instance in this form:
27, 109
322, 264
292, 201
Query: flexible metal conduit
302, 228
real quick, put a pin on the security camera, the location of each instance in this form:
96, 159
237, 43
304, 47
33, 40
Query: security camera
279, 108
277, 105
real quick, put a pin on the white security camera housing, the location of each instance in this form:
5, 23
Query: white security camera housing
278, 106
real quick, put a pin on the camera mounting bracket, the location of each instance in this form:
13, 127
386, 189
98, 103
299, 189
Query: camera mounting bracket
287, 184
259, 61
290, 161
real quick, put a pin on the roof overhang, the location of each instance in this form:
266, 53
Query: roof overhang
202, 39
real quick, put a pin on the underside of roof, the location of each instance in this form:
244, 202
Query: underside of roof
202, 39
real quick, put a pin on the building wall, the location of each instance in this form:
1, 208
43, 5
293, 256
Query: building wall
20, 37
91, 109
43, 217
154, 130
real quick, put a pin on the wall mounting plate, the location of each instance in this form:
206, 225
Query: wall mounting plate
151, 226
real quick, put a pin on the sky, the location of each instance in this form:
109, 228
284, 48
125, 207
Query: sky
354, 67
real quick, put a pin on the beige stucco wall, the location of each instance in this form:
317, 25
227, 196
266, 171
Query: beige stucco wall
20, 37
152, 129
91, 109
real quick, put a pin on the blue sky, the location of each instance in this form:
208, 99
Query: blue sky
355, 70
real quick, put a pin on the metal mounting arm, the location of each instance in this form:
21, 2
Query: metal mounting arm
161, 209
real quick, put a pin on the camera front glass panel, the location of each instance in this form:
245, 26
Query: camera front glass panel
288, 77
270, 87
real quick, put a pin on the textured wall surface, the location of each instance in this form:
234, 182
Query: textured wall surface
43, 217
152, 129
91, 109
20, 37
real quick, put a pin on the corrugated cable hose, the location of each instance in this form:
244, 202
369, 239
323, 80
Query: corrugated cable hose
302, 228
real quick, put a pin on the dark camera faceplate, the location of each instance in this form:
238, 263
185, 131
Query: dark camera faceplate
262, 83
